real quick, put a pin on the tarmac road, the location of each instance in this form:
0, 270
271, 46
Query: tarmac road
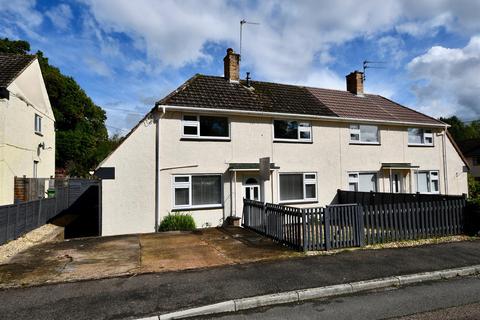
150, 294
442, 300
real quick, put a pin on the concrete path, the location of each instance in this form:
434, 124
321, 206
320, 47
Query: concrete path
157, 293
95, 258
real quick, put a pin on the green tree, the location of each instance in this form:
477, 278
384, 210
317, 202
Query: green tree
461, 131
81, 136
473, 190
14, 46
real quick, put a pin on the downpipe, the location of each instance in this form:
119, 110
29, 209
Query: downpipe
157, 166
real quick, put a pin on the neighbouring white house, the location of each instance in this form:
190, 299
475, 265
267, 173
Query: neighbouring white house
198, 151
27, 124
471, 150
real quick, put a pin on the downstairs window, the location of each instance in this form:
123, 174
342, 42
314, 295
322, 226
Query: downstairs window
427, 182
298, 187
197, 191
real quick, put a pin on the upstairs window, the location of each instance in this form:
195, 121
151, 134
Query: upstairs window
38, 124
361, 133
420, 137
298, 187
427, 182
362, 181
284, 130
208, 127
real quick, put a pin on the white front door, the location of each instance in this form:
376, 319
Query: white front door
251, 189
397, 182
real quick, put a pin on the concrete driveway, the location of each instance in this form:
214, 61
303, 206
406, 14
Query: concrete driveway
94, 258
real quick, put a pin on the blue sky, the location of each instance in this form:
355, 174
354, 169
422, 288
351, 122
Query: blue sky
129, 54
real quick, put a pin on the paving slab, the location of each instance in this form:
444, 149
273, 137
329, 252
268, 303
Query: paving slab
104, 257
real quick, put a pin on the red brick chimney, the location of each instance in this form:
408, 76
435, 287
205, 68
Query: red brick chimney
231, 65
355, 83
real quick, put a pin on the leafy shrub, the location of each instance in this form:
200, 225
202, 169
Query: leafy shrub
473, 190
177, 222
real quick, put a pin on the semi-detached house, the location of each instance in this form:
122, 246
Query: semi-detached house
198, 151
27, 124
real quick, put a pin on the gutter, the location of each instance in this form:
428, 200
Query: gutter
299, 116
157, 168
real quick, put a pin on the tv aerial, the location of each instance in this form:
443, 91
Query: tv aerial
367, 64
242, 22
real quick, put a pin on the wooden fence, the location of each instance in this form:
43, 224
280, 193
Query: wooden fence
282, 224
353, 225
412, 221
20, 218
335, 226
380, 198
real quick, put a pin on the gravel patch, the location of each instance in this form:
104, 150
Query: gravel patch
46, 233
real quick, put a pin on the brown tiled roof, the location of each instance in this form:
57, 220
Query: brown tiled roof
11, 65
368, 106
216, 93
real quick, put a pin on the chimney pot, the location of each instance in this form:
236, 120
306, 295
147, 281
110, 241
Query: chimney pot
355, 83
231, 65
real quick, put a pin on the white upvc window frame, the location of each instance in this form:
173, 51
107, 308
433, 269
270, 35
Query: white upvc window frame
426, 134
196, 124
188, 185
355, 129
35, 169
306, 181
303, 126
432, 175
356, 179
38, 124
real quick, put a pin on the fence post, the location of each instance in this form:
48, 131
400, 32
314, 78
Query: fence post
263, 218
327, 228
361, 227
56, 204
39, 211
16, 221
304, 231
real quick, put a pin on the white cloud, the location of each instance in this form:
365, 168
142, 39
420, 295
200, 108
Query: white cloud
391, 49
323, 78
291, 37
429, 27
426, 16
60, 16
98, 66
21, 15
447, 80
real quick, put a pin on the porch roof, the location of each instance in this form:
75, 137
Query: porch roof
398, 165
248, 166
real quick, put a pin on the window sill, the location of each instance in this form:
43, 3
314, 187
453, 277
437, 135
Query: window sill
195, 208
421, 145
226, 139
39, 133
366, 143
292, 141
298, 201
